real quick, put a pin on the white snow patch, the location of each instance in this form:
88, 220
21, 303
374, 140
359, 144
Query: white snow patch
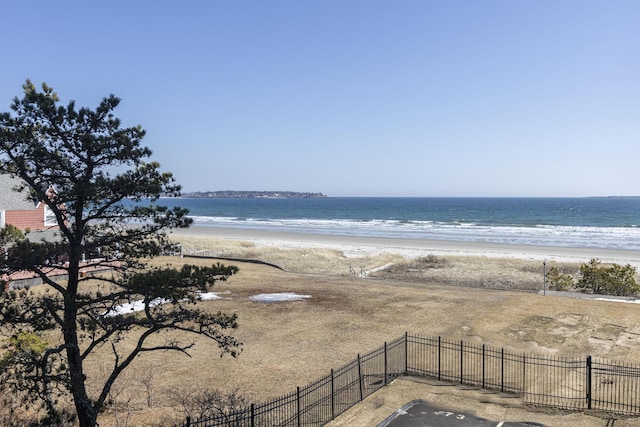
593, 297
210, 296
628, 301
132, 307
277, 297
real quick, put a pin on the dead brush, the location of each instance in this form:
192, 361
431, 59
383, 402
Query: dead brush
473, 271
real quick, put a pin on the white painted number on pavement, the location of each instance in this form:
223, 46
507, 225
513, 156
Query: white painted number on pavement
449, 414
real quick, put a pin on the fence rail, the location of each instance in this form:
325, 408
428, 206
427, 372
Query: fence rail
567, 383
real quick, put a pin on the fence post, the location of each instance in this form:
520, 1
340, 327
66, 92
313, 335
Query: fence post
333, 397
483, 369
298, 400
385, 363
406, 353
253, 415
360, 379
439, 357
524, 378
502, 370
589, 372
461, 354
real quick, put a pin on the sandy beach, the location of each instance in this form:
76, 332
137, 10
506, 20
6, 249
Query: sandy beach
356, 246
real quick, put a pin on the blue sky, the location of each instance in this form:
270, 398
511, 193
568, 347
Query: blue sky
354, 98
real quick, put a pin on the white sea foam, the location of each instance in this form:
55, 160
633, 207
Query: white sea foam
541, 235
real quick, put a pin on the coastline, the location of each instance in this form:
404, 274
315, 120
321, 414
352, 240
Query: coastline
353, 246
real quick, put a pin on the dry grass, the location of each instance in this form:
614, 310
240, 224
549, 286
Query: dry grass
308, 260
293, 343
290, 344
475, 271
468, 271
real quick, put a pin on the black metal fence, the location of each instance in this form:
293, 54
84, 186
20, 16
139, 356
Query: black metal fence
568, 383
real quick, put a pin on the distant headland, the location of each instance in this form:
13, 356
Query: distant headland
228, 194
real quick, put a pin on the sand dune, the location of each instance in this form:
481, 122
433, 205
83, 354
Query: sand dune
362, 246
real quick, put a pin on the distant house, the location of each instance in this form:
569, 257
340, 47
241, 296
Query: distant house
16, 208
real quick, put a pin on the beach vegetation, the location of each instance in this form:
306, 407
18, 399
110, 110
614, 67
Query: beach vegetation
431, 261
614, 279
98, 260
210, 403
559, 281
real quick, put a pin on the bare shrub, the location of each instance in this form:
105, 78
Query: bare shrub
13, 413
121, 398
472, 271
430, 261
148, 379
130, 393
209, 403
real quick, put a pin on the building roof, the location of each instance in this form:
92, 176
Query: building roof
11, 199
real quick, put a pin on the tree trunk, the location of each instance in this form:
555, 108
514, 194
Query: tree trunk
84, 409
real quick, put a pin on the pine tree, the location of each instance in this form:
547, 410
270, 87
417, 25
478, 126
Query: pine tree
106, 204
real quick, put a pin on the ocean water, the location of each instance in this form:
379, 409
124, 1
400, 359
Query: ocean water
573, 222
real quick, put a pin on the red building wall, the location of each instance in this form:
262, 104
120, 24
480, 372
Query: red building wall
23, 219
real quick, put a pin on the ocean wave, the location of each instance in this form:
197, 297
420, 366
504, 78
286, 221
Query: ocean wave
544, 235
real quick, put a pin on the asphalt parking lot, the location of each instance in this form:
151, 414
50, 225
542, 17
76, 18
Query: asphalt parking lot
419, 413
